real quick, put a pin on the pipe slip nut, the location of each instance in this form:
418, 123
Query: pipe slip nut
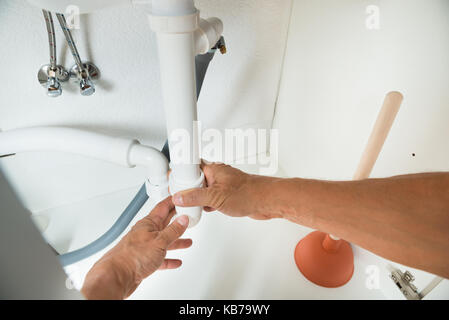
157, 192
194, 213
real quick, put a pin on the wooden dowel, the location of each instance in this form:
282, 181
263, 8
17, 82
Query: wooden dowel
379, 134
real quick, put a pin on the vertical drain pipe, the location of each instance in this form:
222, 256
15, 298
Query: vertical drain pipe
175, 22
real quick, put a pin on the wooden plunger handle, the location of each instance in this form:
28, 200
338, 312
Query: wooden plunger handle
379, 134
377, 139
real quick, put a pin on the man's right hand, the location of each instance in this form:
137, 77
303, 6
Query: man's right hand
229, 191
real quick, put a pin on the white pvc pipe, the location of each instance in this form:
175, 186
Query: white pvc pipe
179, 95
68, 140
180, 36
177, 63
175, 23
120, 151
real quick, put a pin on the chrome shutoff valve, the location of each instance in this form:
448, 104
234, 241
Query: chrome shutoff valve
53, 87
51, 78
87, 87
85, 77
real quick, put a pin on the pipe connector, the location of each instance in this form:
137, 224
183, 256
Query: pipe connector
157, 191
194, 213
208, 34
157, 166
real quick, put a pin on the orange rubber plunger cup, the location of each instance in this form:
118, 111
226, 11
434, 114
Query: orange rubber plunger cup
324, 261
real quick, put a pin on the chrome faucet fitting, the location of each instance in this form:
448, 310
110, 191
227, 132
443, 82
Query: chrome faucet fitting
85, 72
51, 79
51, 75
85, 77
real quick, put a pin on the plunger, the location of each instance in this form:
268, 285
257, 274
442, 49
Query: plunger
325, 259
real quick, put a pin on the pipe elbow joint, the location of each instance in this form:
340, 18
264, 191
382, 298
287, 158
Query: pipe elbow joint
157, 165
208, 34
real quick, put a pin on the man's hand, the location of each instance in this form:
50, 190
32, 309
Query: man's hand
140, 253
229, 191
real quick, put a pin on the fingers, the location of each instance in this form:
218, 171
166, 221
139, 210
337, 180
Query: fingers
180, 244
175, 230
198, 197
170, 264
208, 170
168, 219
161, 214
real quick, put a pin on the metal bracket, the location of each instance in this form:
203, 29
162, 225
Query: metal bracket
404, 282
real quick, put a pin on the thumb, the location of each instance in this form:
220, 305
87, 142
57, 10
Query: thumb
198, 197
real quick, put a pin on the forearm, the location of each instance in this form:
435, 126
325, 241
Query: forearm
403, 218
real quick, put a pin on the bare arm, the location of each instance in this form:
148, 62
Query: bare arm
403, 218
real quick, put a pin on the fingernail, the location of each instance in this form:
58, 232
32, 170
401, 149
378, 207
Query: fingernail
183, 220
177, 199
